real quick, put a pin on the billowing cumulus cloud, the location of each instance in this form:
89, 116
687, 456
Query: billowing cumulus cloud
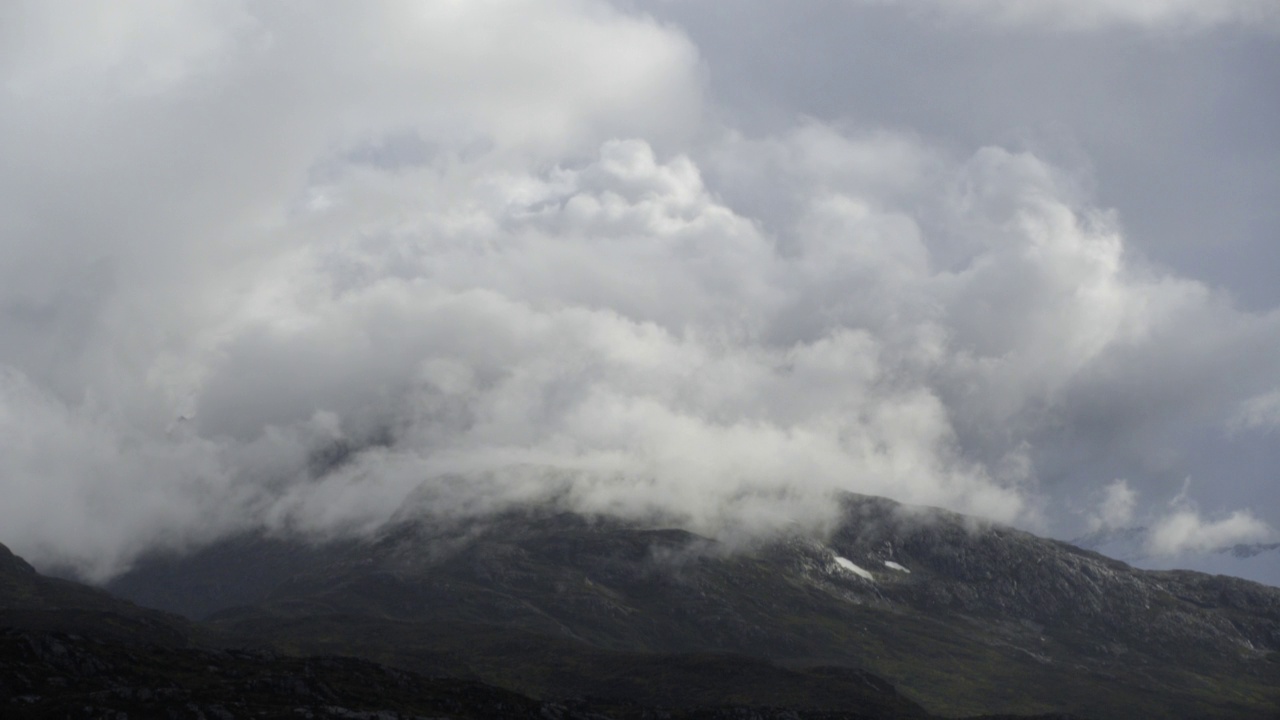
317, 272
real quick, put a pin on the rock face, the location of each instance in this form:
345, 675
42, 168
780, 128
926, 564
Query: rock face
962, 616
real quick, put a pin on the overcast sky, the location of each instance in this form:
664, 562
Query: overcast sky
313, 266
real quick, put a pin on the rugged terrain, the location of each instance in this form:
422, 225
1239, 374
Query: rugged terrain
900, 612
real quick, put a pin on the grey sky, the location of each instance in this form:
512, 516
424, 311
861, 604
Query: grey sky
1176, 129
704, 261
1169, 123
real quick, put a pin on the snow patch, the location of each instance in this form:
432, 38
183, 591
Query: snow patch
895, 566
848, 565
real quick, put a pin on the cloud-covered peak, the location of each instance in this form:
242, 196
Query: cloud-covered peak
328, 270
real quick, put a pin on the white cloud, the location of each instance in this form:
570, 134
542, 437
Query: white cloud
1116, 510
316, 267
1258, 413
1098, 14
1184, 530
84, 491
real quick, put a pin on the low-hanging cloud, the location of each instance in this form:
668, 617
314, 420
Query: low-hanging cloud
297, 275
1185, 530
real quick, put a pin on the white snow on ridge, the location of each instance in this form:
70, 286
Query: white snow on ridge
848, 565
895, 566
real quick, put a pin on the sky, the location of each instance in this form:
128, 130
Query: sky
311, 268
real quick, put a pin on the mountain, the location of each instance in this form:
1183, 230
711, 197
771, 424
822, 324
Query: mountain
897, 606
71, 651
34, 602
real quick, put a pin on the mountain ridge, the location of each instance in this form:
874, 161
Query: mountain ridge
899, 612
979, 617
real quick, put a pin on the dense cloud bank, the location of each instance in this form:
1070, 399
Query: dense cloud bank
311, 271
